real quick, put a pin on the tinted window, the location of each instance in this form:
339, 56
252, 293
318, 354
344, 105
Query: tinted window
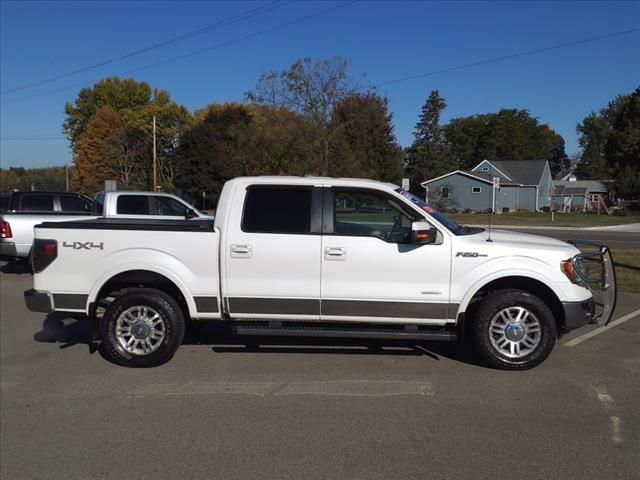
133, 205
4, 203
38, 202
371, 215
72, 203
169, 206
98, 205
277, 210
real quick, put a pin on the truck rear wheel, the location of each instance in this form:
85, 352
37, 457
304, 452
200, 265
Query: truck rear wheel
514, 330
142, 328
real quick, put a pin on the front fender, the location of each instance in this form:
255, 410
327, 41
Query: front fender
473, 280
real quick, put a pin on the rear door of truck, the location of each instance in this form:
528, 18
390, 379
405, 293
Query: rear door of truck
271, 252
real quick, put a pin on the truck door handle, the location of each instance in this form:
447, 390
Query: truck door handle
335, 253
241, 251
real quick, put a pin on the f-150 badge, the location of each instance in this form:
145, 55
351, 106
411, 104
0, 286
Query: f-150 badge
471, 254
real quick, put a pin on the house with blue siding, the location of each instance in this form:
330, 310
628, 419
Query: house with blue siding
524, 185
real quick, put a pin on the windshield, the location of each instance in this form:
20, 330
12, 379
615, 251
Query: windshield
444, 220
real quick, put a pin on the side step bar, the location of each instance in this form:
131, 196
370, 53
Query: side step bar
339, 331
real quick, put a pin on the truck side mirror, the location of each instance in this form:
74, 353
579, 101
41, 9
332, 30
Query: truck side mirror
190, 213
423, 233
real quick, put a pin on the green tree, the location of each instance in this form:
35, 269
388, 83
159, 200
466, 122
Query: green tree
312, 89
509, 134
136, 103
429, 156
593, 132
610, 141
364, 142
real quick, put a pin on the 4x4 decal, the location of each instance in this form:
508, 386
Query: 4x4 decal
83, 245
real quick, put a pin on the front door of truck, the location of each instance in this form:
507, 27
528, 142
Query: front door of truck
272, 253
370, 271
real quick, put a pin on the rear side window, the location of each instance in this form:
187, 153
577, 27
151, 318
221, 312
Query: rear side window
98, 205
132, 205
37, 202
72, 203
169, 207
277, 210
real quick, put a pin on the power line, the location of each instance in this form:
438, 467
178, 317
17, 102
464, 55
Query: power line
509, 57
222, 23
193, 53
32, 137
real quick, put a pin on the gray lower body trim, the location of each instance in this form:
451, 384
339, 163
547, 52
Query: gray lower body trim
206, 304
71, 301
274, 306
389, 309
342, 308
577, 314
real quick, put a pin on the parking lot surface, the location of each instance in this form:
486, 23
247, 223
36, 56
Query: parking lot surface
311, 409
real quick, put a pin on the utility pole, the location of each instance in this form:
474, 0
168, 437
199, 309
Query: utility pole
155, 178
66, 171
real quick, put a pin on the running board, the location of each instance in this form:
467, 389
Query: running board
337, 331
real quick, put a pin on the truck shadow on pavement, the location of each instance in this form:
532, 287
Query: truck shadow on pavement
69, 331
17, 268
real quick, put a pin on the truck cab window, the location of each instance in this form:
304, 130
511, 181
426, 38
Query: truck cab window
277, 210
168, 206
371, 215
73, 203
133, 205
37, 202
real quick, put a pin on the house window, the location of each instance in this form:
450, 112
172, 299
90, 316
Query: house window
485, 169
444, 192
476, 189
593, 197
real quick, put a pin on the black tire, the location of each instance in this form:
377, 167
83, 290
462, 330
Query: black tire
168, 310
486, 341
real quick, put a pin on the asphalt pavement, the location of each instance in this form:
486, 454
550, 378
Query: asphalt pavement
312, 409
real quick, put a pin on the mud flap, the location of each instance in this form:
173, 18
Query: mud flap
595, 270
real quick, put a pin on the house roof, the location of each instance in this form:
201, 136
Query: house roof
526, 172
477, 175
592, 186
574, 191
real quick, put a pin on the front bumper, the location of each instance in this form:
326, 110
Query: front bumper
38, 301
578, 314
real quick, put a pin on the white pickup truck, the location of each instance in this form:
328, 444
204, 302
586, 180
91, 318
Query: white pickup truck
319, 257
28, 209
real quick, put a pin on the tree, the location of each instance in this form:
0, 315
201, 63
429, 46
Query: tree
97, 151
364, 142
429, 156
610, 142
623, 147
509, 134
235, 139
312, 89
136, 103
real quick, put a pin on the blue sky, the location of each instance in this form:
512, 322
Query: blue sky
384, 40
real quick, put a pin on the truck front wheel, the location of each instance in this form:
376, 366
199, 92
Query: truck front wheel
142, 328
514, 330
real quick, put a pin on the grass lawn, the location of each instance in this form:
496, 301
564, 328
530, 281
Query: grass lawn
543, 219
627, 264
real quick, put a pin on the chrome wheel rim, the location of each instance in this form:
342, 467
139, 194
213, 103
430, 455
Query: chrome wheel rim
140, 330
515, 332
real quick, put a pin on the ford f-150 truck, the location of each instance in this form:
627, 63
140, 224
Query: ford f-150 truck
319, 257
31, 208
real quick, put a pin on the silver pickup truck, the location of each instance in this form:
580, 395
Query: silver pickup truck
27, 209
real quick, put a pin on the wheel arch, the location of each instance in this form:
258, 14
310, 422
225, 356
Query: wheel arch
518, 282
118, 283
